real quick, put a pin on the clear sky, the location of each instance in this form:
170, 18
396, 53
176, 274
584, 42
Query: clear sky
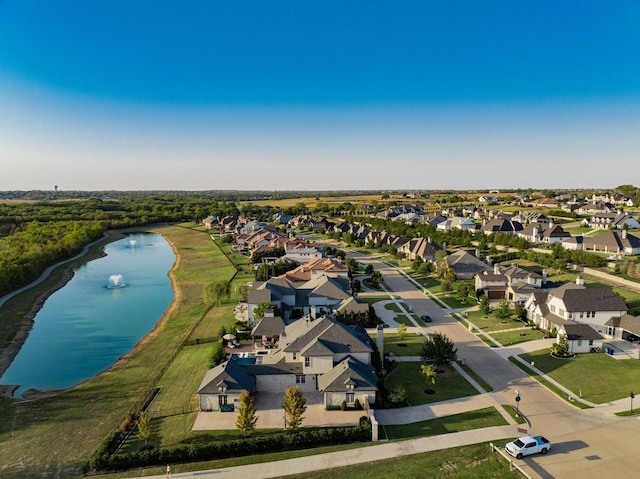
318, 95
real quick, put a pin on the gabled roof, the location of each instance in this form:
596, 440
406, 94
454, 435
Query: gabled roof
579, 298
348, 372
627, 322
323, 337
613, 240
269, 326
229, 375
461, 261
326, 287
499, 225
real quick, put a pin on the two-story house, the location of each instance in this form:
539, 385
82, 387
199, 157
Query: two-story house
321, 355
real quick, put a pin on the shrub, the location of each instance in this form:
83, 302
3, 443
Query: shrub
343, 405
357, 405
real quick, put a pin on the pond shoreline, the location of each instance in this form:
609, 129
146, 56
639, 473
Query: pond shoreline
9, 354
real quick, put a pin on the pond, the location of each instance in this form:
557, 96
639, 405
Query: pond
97, 317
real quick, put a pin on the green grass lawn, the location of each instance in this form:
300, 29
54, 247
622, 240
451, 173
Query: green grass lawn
473, 461
413, 344
454, 301
599, 377
492, 323
466, 421
509, 338
450, 385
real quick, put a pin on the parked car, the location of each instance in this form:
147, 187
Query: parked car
527, 445
426, 318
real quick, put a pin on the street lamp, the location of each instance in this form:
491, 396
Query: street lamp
517, 403
631, 395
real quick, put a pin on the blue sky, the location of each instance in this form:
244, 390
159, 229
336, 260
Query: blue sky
318, 95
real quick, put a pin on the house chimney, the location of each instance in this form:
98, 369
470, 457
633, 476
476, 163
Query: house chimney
624, 234
544, 277
380, 342
496, 268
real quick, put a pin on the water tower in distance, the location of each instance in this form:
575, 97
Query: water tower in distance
55, 188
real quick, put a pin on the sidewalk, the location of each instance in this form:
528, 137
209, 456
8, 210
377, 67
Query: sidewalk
350, 457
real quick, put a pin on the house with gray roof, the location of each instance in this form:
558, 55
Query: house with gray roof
312, 354
613, 242
574, 303
511, 282
318, 296
498, 225
465, 265
548, 233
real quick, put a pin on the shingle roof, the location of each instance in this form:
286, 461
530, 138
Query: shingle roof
627, 322
269, 326
348, 372
579, 298
461, 261
228, 374
579, 331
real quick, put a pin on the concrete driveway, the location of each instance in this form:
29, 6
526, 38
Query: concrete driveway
271, 415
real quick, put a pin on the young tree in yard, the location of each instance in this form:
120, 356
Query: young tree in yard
402, 332
145, 426
369, 270
429, 373
294, 407
503, 311
463, 290
484, 305
438, 350
247, 419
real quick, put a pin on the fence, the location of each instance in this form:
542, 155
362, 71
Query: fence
512, 465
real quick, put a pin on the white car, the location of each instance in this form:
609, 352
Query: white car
527, 445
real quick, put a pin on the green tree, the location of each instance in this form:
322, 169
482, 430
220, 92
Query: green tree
375, 279
463, 290
247, 418
294, 408
218, 354
485, 309
429, 373
402, 332
145, 426
369, 270
215, 293
503, 311
258, 311
438, 350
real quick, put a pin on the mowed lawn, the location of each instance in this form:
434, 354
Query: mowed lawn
474, 461
449, 385
58, 434
599, 377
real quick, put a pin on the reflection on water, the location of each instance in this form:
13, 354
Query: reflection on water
86, 326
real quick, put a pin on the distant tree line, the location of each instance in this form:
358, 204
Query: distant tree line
26, 253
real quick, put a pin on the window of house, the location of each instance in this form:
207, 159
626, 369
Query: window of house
588, 314
351, 398
561, 312
552, 308
222, 400
582, 314
579, 342
570, 315
300, 379
593, 314
295, 356
591, 342
307, 362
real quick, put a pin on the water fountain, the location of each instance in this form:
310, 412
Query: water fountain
133, 243
116, 281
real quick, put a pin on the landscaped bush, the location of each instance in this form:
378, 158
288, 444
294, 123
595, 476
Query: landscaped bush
300, 439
